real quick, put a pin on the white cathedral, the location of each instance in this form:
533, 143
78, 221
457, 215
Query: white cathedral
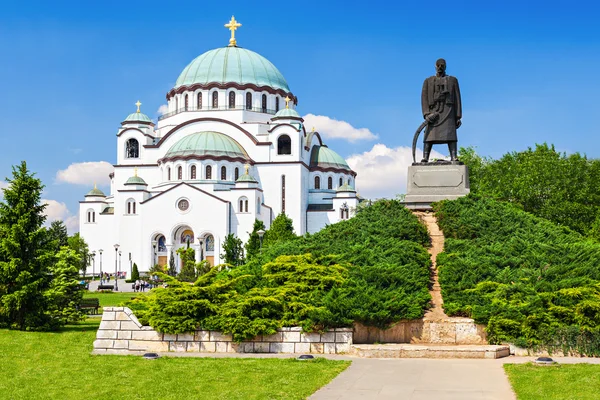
230, 149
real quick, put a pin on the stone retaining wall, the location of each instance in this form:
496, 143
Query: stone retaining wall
120, 332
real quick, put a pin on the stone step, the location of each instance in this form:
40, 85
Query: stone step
428, 351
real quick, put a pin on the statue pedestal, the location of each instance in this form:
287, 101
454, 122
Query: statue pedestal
431, 182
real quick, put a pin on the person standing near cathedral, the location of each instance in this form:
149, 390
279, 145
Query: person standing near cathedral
442, 109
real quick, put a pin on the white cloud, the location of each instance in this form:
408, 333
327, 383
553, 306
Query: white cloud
331, 128
57, 211
163, 109
86, 173
3, 185
382, 171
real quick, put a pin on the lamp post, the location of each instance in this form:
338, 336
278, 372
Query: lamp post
130, 266
154, 243
261, 233
100, 252
93, 264
119, 262
116, 281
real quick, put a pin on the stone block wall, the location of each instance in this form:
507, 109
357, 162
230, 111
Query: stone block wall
120, 332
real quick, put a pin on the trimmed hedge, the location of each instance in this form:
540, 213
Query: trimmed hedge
532, 282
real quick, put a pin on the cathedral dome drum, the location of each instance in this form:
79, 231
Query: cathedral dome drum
232, 65
206, 144
323, 157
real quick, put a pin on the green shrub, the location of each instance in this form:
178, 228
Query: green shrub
373, 268
528, 279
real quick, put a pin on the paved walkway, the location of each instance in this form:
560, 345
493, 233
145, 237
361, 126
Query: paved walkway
419, 379
123, 287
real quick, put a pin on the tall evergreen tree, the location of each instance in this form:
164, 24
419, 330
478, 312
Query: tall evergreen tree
24, 253
253, 244
233, 251
57, 233
135, 272
172, 270
281, 230
188, 263
64, 294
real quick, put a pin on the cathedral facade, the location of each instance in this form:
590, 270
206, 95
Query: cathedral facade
230, 149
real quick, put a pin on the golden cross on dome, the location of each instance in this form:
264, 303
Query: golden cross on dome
287, 102
313, 129
95, 187
135, 171
138, 104
246, 167
232, 26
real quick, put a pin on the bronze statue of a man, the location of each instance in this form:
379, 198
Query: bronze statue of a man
441, 104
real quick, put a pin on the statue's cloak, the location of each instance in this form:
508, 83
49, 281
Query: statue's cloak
441, 95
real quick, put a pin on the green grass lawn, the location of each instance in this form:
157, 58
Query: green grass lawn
36, 365
114, 298
564, 382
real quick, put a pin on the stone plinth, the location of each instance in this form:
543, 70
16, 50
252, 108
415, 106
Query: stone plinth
120, 332
431, 182
428, 351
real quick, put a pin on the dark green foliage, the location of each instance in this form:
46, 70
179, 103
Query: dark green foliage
172, 270
253, 244
561, 188
233, 251
64, 294
135, 272
188, 263
531, 281
80, 247
373, 268
57, 233
281, 230
25, 253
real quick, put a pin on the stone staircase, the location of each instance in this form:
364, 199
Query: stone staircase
436, 335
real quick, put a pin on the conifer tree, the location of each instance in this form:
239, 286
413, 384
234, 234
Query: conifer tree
188, 263
253, 244
135, 272
172, 270
57, 232
64, 294
281, 230
80, 247
233, 250
24, 253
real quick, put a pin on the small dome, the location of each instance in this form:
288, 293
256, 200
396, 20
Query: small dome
207, 143
95, 192
287, 113
247, 178
136, 180
138, 117
232, 65
324, 157
346, 188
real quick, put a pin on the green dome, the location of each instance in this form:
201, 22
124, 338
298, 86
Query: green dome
324, 157
138, 117
247, 178
207, 143
136, 180
346, 188
232, 65
96, 192
287, 113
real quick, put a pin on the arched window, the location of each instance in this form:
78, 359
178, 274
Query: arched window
91, 216
215, 100
330, 183
248, 101
276, 104
258, 205
193, 172
169, 173
185, 107
243, 204
131, 206
231, 99
317, 182
284, 145
176, 104
349, 181
341, 182
283, 193
208, 172
223, 173
162, 244
210, 243
264, 103
237, 173
179, 173
344, 211
132, 149
199, 101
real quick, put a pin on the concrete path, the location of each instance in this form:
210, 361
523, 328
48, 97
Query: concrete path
123, 287
419, 379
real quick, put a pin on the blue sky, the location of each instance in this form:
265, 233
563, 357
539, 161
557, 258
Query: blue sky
71, 71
